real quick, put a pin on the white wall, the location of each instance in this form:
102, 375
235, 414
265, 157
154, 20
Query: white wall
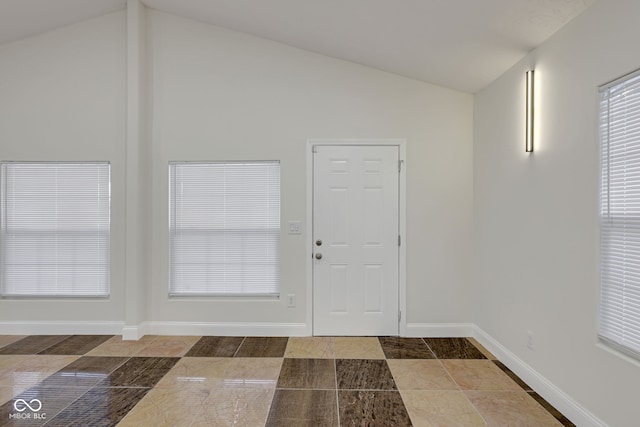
215, 94
536, 216
62, 97
223, 95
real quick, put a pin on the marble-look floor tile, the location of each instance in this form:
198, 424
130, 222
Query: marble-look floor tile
167, 407
482, 349
29, 370
358, 348
16, 384
303, 408
244, 372
8, 393
201, 407
262, 347
419, 374
32, 344
87, 371
362, 374
237, 407
76, 344
220, 372
552, 410
5, 340
7, 363
99, 407
429, 408
405, 348
368, 407
479, 375
139, 372
116, 346
512, 375
103, 388
215, 347
49, 400
196, 372
168, 346
453, 348
509, 408
308, 374
310, 348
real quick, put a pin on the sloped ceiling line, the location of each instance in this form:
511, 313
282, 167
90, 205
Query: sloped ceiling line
460, 44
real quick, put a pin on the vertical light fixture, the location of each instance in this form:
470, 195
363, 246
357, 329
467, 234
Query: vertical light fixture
529, 120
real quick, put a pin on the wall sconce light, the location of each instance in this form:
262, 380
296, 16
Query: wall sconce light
529, 120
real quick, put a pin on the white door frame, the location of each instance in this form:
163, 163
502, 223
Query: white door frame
402, 265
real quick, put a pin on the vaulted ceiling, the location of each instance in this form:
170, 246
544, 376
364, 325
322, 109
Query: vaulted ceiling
461, 44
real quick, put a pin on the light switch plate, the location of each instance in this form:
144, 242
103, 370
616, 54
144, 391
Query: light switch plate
295, 227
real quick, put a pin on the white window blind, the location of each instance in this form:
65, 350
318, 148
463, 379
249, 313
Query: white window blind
620, 214
224, 228
55, 229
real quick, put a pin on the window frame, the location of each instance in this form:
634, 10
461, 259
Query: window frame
621, 341
176, 294
103, 289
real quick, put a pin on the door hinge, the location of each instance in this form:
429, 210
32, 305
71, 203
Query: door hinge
399, 165
314, 148
399, 315
399, 240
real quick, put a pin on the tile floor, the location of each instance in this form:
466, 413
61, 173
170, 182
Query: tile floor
89, 380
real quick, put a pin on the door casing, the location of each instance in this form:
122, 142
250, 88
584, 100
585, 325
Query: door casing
402, 266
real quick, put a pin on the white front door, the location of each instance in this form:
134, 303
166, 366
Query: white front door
355, 239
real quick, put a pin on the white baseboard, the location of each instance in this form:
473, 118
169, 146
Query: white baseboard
220, 329
61, 328
439, 330
545, 388
134, 333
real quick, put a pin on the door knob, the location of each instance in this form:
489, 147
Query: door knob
318, 256
318, 242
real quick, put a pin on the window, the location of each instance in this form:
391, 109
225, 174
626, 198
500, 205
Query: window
620, 214
55, 229
224, 228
